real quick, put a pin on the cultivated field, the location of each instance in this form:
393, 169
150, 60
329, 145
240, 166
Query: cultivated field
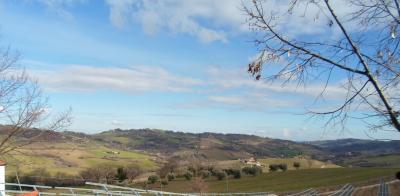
293, 180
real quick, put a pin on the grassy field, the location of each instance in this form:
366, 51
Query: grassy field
289, 180
391, 160
71, 158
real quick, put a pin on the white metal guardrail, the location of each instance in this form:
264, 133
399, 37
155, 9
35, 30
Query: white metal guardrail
107, 190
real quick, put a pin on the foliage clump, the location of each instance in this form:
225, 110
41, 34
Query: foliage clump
254, 171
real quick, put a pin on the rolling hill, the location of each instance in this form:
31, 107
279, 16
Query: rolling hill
361, 153
207, 145
72, 152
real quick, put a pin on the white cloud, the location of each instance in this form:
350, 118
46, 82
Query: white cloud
239, 78
116, 123
181, 17
286, 133
133, 79
207, 20
211, 20
119, 11
254, 101
229, 89
59, 6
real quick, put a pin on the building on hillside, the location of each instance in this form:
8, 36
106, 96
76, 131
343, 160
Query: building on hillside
251, 161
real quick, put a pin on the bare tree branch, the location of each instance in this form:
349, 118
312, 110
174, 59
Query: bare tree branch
368, 58
23, 107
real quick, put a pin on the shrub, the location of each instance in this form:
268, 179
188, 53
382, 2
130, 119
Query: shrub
246, 170
273, 167
283, 166
228, 171
192, 169
296, 165
252, 171
152, 179
121, 174
211, 169
205, 174
213, 172
236, 174
164, 182
171, 176
220, 175
188, 175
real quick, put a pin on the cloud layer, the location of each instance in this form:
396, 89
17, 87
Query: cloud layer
207, 20
132, 79
231, 89
179, 17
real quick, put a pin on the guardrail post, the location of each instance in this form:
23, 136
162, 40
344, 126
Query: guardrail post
2, 178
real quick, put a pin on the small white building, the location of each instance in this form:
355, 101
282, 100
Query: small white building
252, 161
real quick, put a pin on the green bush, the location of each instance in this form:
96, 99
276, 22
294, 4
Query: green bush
229, 171
237, 174
254, 171
211, 169
152, 179
164, 182
273, 167
188, 175
220, 175
171, 176
121, 174
296, 165
192, 170
205, 174
283, 166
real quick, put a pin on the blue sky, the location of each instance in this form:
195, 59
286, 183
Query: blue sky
177, 65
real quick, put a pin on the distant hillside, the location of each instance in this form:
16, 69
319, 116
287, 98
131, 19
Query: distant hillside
217, 146
362, 153
208, 145
359, 146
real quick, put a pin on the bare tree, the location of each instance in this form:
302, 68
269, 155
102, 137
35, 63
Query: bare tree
102, 173
169, 167
199, 185
24, 111
361, 47
132, 172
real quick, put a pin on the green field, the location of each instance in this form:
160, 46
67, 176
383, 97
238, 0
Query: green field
391, 160
71, 158
289, 180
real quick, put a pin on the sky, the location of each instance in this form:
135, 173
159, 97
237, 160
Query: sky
174, 65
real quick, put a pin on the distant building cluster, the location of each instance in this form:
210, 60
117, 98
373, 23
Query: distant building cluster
251, 161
